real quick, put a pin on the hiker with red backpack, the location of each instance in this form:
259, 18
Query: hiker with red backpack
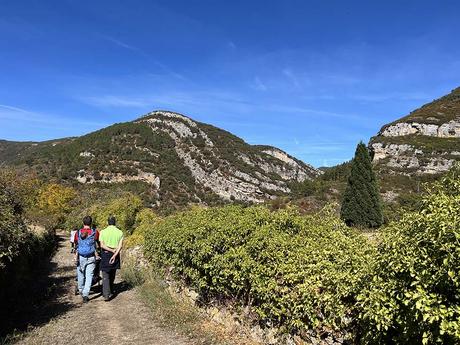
86, 256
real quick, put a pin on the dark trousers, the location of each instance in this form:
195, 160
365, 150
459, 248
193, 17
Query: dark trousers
107, 282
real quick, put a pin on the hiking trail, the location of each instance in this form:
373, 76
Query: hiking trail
123, 320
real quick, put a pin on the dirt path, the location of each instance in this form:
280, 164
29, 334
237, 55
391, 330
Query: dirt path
123, 320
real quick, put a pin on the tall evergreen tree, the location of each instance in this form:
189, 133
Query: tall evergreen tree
361, 203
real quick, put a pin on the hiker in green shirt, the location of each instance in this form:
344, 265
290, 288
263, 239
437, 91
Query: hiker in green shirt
111, 239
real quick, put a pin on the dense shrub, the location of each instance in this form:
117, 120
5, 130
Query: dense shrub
124, 209
17, 197
295, 272
13, 231
145, 220
414, 296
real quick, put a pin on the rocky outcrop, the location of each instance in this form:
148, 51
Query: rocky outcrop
104, 177
86, 154
408, 160
427, 141
382, 151
293, 170
450, 129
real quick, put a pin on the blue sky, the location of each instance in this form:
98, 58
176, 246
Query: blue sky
311, 77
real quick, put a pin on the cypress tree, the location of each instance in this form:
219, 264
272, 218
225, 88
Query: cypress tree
361, 205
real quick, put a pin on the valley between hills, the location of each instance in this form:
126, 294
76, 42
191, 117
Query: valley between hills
172, 161
231, 243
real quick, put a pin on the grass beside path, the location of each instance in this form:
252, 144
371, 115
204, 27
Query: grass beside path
178, 315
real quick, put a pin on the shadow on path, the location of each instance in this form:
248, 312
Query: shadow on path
46, 296
121, 287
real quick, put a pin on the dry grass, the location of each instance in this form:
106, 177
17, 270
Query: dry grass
173, 312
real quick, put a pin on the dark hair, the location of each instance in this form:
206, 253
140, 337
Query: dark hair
111, 220
87, 221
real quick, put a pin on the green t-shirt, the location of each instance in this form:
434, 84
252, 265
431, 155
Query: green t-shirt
111, 236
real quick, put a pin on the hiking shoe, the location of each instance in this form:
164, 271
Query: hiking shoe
85, 299
106, 299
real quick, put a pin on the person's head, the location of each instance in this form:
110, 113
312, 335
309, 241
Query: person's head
87, 221
111, 220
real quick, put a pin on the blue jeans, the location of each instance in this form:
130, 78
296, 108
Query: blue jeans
85, 273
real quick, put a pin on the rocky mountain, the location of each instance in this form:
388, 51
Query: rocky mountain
427, 141
168, 156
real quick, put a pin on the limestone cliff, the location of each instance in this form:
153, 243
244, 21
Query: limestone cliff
427, 141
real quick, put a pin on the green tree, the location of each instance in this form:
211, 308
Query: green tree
361, 203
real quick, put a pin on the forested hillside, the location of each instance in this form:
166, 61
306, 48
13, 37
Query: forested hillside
167, 158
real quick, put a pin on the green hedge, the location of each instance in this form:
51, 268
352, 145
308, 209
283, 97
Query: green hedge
414, 296
295, 271
22, 252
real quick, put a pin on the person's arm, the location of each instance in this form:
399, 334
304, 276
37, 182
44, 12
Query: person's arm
98, 240
97, 244
75, 243
120, 245
103, 246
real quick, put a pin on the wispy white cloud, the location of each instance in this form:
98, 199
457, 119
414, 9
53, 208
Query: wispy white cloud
19, 27
385, 96
207, 100
119, 43
368, 96
291, 77
116, 101
141, 52
11, 108
25, 117
282, 108
231, 45
258, 85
